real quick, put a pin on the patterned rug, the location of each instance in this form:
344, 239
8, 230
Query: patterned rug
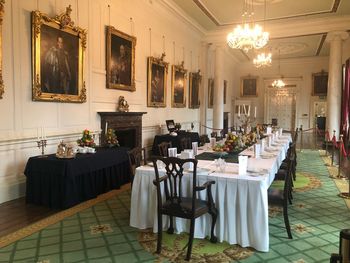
174, 249
304, 182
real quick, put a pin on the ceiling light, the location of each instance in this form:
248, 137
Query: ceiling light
262, 60
279, 83
248, 35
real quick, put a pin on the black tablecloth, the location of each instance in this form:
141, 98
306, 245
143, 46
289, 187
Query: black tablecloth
175, 140
62, 183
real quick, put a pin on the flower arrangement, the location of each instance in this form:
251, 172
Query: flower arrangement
111, 138
86, 139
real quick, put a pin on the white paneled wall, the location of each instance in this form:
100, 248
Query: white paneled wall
157, 28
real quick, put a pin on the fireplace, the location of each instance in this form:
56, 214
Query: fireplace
127, 126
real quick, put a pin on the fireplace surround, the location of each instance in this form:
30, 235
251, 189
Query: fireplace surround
127, 125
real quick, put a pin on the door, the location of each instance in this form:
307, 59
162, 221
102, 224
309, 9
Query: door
281, 106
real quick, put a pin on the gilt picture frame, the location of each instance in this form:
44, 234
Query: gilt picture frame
249, 86
178, 86
2, 11
157, 82
58, 48
195, 83
319, 83
120, 60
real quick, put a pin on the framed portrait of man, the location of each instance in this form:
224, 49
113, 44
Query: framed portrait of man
210, 93
249, 86
120, 60
58, 48
156, 82
319, 83
178, 86
195, 82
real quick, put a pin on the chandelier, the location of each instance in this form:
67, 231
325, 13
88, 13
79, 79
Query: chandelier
262, 60
279, 83
249, 35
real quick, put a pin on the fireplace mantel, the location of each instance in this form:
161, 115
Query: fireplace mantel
122, 121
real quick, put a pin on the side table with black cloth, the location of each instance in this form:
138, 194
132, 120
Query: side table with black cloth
63, 183
175, 140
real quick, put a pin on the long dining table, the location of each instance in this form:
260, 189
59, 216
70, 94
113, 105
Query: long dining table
242, 200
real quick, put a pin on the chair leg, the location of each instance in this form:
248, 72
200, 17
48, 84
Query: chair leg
286, 221
171, 227
160, 230
190, 241
214, 214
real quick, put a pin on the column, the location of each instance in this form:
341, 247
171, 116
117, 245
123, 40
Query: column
218, 107
204, 87
334, 80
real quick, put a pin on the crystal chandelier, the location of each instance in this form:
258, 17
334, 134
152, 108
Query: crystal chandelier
262, 60
279, 83
248, 36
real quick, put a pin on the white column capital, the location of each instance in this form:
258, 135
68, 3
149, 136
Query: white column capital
337, 35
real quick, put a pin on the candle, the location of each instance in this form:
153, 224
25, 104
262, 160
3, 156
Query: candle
37, 133
255, 112
239, 110
244, 109
42, 133
106, 127
248, 111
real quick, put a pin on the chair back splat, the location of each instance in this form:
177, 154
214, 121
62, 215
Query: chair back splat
176, 204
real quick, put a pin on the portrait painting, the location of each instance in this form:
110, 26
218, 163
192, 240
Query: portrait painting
120, 60
195, 82
156, 82
249, 86
320, 83
210, 93
58, 58
178, 86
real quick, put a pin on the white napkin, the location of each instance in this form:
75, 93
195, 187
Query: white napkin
212, 142
195, 148
257, 148
268, 130
242, 165
172, 152
263, 145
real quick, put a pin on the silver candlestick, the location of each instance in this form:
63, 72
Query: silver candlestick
42, 145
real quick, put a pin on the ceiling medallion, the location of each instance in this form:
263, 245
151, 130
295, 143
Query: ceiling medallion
248, 35
262, 60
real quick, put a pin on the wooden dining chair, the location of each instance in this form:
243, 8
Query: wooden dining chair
175, 204
185, 143
137, 157
163, 148
280, 197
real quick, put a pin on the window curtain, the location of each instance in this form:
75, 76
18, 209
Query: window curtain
345, 106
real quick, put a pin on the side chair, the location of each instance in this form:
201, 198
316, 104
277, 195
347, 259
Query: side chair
175, 204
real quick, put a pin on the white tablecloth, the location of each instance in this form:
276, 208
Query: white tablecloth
241, 200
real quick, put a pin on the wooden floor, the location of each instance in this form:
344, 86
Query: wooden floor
16, 214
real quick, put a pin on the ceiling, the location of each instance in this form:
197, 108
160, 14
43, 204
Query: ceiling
217, 15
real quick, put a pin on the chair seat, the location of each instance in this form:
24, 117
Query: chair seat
185, 207
276, 196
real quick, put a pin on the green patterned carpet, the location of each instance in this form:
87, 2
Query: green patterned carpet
101, 233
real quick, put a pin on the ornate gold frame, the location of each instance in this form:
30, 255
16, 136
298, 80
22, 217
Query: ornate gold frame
112, 31
160, 62
194, 75
243, 91
2, 11
178, 68
64, 23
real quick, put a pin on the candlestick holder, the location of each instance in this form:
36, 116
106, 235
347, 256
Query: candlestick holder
41, 145
246, 121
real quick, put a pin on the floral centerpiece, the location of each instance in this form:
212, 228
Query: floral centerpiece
111, 138
86, 139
